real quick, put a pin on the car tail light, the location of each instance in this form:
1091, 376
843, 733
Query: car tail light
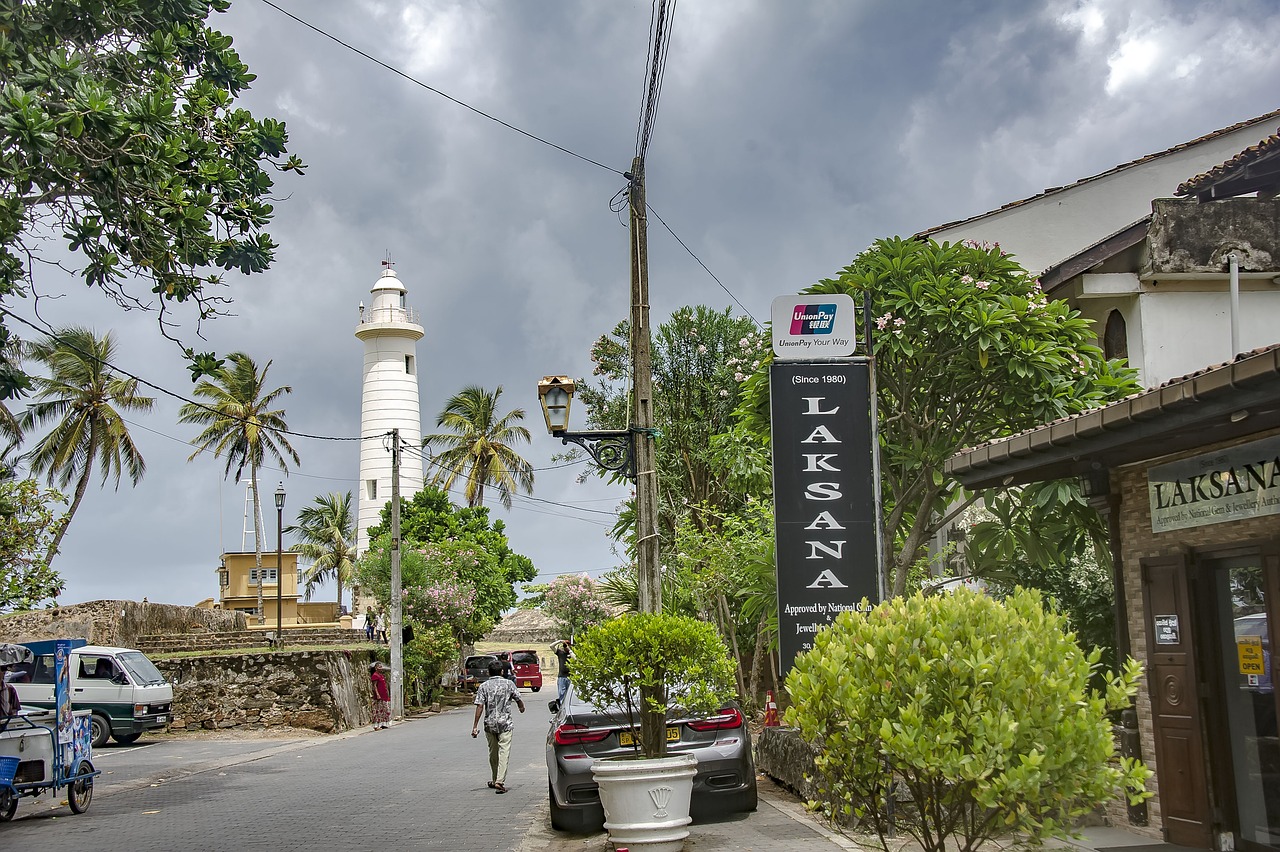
726, 719
577, 734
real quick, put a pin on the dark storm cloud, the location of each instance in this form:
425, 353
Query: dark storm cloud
789, 136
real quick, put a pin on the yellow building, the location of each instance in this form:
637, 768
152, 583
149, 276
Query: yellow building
238, 590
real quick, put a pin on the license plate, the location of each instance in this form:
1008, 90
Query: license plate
527, 683
627, 738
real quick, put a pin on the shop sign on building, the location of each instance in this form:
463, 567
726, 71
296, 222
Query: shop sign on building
1227, 485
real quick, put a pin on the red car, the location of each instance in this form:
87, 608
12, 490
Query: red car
526, 669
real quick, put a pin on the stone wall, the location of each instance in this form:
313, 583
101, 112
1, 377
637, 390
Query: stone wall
787, 759
325, 691
117, 623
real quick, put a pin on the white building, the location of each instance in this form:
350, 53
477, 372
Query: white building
1045, 229
390, 332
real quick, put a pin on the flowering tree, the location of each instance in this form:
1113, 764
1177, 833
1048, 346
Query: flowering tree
700, 357
575, 603
968, 348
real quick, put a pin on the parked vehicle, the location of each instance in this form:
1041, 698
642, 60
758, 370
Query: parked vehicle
126, 693
580, 733
527, 669
44, 751
475, 671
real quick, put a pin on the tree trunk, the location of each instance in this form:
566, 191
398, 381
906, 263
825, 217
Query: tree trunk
337, 576
81, 487
729, 631
754, 689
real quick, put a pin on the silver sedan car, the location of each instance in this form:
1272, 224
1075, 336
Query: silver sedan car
580, 733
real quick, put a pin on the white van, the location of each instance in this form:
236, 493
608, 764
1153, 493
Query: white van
126, 693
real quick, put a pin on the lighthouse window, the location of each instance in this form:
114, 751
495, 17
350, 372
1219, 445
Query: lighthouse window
402, 300
408, 364
371, 485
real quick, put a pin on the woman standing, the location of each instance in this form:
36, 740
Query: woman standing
381, 696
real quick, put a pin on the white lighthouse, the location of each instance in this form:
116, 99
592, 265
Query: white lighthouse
390, 332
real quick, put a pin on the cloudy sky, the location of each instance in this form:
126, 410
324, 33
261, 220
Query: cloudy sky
788, 137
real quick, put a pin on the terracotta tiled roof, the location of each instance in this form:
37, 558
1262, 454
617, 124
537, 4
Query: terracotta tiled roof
1056, 189
1268, 146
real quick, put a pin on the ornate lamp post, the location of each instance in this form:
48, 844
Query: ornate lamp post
612, 449
279, 561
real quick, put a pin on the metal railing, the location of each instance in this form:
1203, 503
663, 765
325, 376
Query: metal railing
409, 315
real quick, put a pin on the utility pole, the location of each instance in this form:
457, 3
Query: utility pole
649, 578
396, 636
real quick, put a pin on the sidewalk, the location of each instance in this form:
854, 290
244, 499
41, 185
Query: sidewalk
782, 823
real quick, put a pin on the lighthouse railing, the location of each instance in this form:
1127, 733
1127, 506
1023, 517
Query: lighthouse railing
407, 315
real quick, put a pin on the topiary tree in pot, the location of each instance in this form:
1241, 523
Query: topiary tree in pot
649, 667
959, 719
676, 662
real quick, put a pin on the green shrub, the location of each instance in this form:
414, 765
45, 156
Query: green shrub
426, 658
649, 665
978, 711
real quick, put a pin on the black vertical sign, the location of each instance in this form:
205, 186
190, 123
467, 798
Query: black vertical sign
824, 496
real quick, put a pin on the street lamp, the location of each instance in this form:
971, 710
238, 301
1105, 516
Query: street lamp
612, 449
279, 562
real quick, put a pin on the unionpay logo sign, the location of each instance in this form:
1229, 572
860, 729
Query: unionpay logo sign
812, 319
803, 329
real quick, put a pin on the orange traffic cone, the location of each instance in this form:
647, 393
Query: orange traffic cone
770, 711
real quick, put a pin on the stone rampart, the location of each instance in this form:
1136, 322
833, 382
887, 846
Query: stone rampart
325, 691
118, 623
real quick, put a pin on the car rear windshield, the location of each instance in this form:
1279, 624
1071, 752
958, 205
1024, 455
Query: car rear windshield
142, 670
524, 658
479, 662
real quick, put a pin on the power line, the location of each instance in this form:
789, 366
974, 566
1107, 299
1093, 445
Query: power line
436, 91
53, 335
661, 21
736, 300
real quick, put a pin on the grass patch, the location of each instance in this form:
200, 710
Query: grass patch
240, 652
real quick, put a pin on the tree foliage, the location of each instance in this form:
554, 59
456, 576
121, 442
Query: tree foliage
700, 356
241, 424
121, 136
677, 662
726, 563
85, 400
29, 521
452, 585
1046, 536
575, 602
430, 517
326, 536
973, 717
478, 447
968, 348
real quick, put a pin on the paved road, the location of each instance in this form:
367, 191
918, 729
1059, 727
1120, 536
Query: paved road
418, 785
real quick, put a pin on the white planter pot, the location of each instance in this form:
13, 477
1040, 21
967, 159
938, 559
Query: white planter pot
646, 802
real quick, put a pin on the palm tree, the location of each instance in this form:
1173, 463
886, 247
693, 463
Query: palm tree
241, 425
478, 446
83, 398
327, 537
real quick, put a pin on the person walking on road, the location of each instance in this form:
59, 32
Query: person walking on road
370, 623
563, 649
381, 696
493, 702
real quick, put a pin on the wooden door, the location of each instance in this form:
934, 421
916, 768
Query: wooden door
1175, 704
